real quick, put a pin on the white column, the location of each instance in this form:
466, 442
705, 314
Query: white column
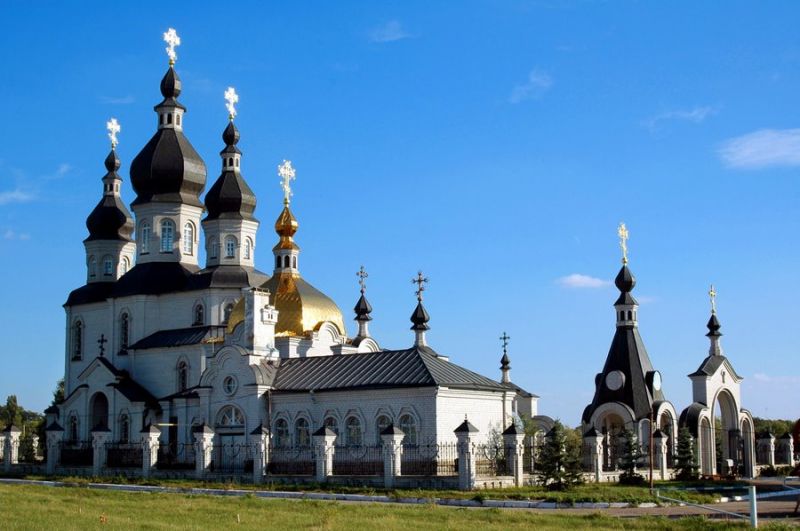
766, 447
99, 440
258, 439
54, 436
660, 449
466, 434
392, 438
593, 442
11, 451
149, 439
323, 452
513, 442
203, 440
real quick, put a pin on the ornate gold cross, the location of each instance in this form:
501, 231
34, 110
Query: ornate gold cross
113, 128
232, 99
172, 40
622, 232
287, 174
712, 294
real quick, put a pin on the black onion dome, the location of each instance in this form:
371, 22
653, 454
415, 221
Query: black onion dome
505, 363
230, 197
625, 283
713, 326
420, 318
168, 169
110, 219
171, 89
363, 308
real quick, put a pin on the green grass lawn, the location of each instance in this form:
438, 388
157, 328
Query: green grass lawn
51, 508
590, 492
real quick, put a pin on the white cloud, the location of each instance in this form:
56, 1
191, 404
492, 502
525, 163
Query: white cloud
10, 234
765, 378
118, 100
16, 196
537, 84
695, 115
576, 280
389, 32
762, 149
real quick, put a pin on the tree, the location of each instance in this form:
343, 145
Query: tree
13, 413
558, 463
58, 393
631, 454
685, 460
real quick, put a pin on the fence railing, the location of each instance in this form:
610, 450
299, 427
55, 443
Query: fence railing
291, 461
232, 458
430, 460
363, 460
176, 456
76, 453
490, 460
123, 455
528, 458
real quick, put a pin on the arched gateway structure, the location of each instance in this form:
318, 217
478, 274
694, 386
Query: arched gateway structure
717, 387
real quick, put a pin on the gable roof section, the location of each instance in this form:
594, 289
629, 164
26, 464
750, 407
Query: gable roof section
414, 367
711, 364
178, 337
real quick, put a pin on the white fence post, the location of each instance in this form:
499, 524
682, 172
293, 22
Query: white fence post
150, 445
100, 436
753, 507
466, 434
54, 436
203, 437
323, 452
392, 438
258, 438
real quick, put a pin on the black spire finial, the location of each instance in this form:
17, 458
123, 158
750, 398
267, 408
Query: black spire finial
112, 162
504, 361
420, 316
362, 307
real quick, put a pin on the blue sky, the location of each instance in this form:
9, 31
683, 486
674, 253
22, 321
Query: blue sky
494, 145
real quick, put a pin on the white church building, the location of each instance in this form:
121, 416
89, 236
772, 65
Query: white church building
155, 339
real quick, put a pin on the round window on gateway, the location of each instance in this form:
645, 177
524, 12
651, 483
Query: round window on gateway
229, 385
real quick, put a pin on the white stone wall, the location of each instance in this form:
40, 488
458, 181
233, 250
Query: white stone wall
484, 409
180, 214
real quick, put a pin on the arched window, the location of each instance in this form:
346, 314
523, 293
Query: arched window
72, 428
126, 265
248, 245
230, 417
183, 376
277, 262
108, 266
124, 330
199, 315
409, 427
286, 261
282, 437
381, 424
167, 235
302, 435
169, 119
230, 247
630, 315
92, 267
188, 239
124, 428
177, 119
77, 340
332, 425
294, 262
227, 313
354, 433
213, 248
144, 238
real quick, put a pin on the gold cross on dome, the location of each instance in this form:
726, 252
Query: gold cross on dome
287, 174
362, 276
232, 99
712, 294
113, 128
420, 281
172, 40
622, 232
504, 338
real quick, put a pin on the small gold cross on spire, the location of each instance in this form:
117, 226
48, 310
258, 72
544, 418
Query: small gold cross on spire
172, 40
712, 294
232, 99
287, 174
420, 281
622, 232
113, 128
362, 276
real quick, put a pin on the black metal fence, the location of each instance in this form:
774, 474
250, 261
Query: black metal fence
491, 460
123, 455
528, 457
291, 461
176, 456
233, 458
363, 460
430, 460
76, 453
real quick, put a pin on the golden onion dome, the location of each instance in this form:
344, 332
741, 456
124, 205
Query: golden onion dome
302, 308
286, 227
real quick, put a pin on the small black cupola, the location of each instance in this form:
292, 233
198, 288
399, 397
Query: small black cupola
420, 317
110, 219
363, 308
230, 197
